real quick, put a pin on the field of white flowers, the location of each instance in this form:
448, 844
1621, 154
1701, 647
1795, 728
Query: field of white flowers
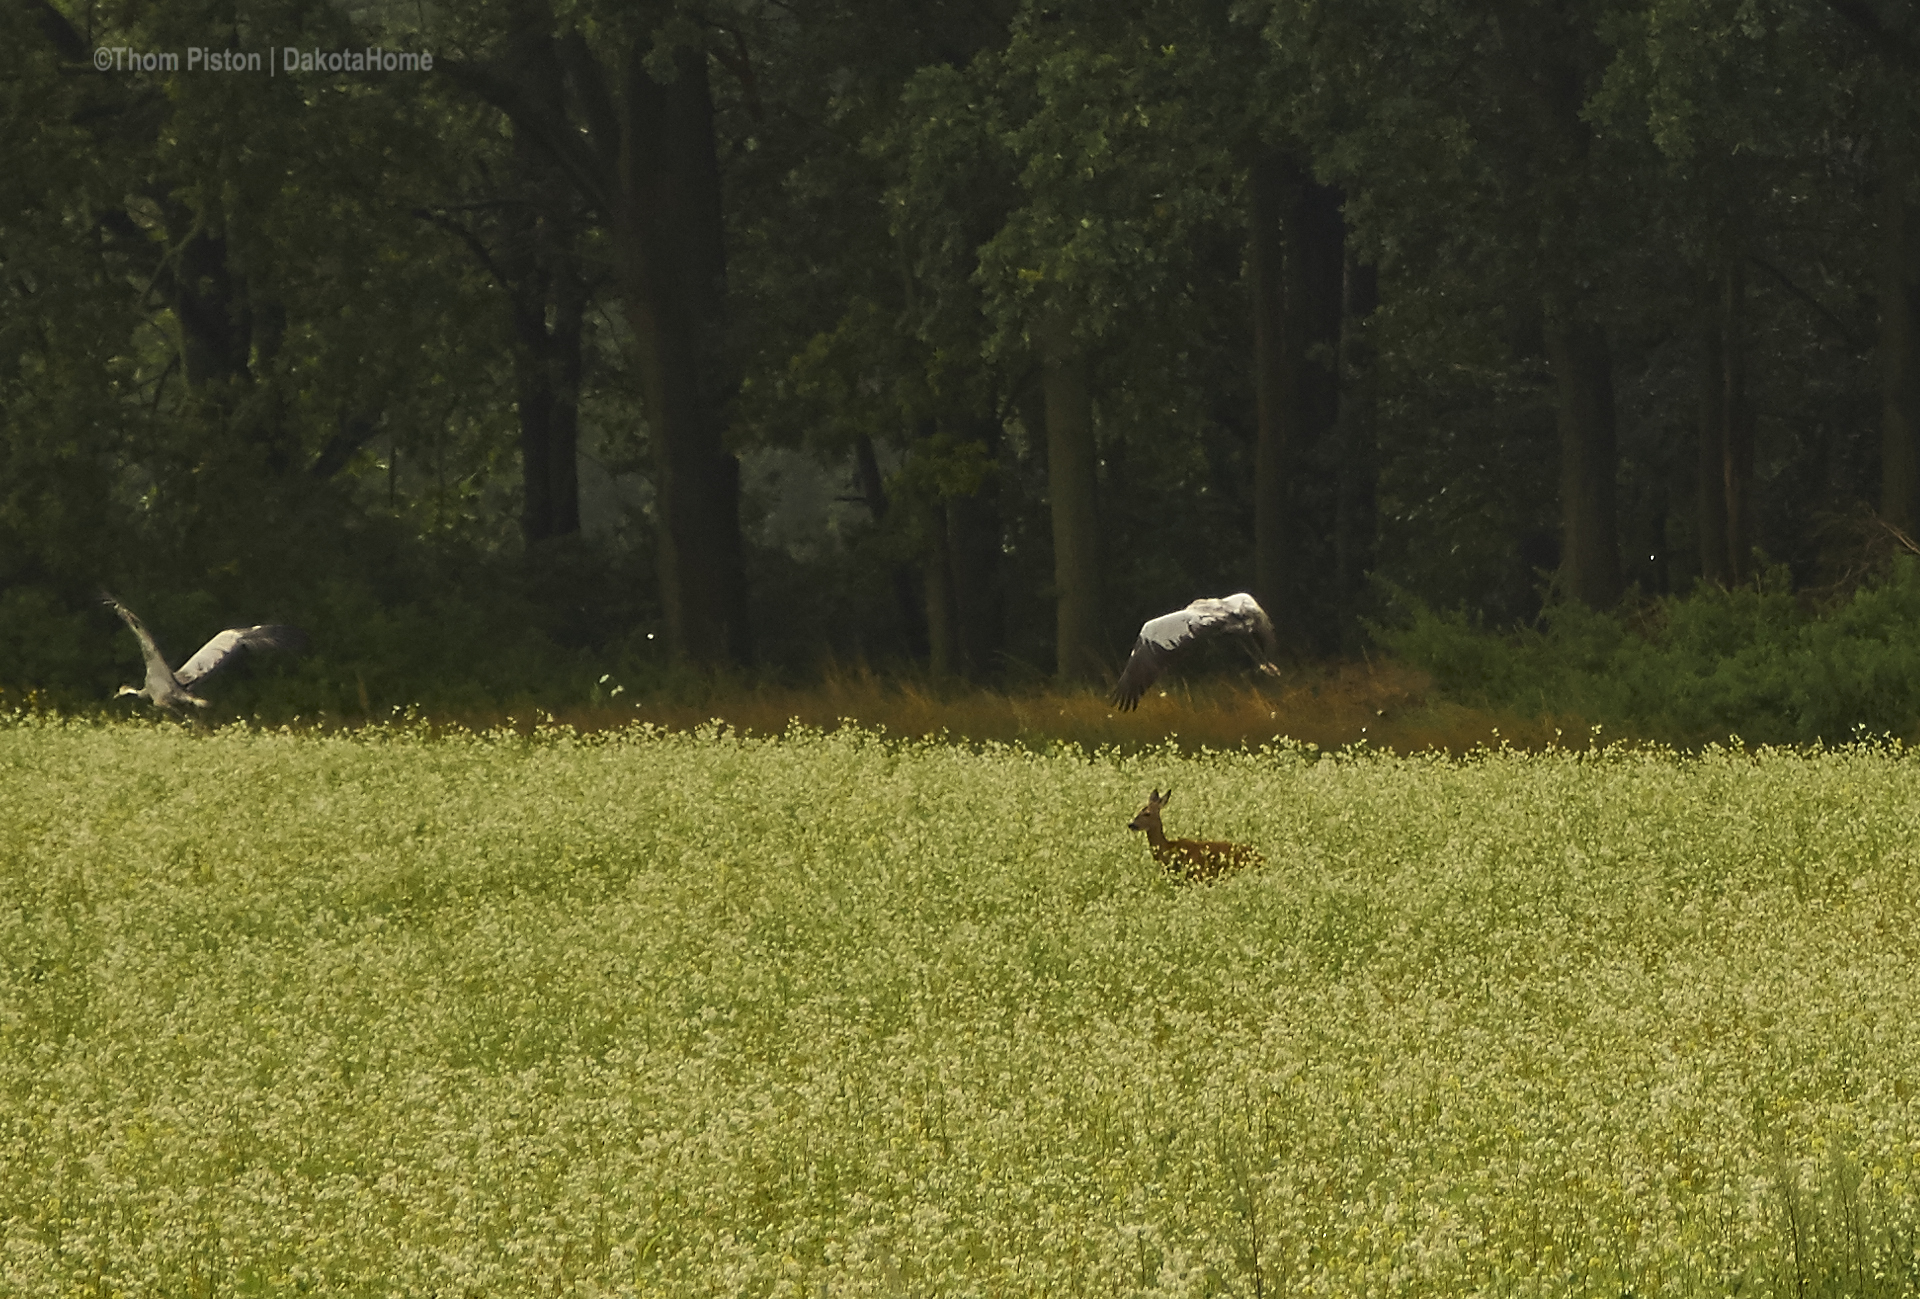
687, 1014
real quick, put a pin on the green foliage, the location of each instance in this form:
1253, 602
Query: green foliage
905, 202
392, 624
55, 649
1119, 165
671, 1014
1757, 662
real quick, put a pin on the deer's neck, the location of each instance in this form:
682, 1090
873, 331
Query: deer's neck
1163, 848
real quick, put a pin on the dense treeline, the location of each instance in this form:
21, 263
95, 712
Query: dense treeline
966, 332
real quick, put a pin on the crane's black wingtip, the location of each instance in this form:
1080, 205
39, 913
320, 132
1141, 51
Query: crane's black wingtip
273, 635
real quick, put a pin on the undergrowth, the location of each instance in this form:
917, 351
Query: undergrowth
1758, 661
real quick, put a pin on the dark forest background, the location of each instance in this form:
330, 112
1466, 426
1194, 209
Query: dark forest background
641, 340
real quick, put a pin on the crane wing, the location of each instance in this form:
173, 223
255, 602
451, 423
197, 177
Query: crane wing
226, 646
149, 652
1141, 670
1162, 639
1159, 641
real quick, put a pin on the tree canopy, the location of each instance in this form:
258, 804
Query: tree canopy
755, 333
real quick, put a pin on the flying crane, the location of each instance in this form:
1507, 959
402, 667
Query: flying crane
169, 687
1163, 639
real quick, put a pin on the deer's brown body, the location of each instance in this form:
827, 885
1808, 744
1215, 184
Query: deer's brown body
1190, 859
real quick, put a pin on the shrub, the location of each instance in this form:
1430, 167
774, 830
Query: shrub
1756, 661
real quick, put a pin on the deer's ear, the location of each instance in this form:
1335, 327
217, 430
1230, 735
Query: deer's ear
1169, 794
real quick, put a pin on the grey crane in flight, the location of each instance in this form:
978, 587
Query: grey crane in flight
172, 687
1162, 639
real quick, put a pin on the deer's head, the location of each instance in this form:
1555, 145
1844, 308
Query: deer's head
1149, 817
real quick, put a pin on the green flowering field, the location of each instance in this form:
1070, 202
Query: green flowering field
669, 1014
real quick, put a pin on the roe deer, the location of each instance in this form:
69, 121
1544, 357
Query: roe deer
1190, 859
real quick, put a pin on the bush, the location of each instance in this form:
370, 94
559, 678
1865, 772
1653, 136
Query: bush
1756, 661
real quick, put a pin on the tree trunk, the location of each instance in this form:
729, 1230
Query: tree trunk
540, 269
563, 442
1275, 381
539, 264
1892, 41
1583, 382
1297, 261
213, 335
641, 155
1710, 520
962, 599
535, 258
671, 260
1724, 509
1316, 304
908, 600
1072, 473
1900, 353
973, 543
228, 336
1736, 473
547, 383
1356, 523
943, 615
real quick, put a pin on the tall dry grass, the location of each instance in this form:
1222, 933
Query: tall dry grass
1385, 705
1381, 703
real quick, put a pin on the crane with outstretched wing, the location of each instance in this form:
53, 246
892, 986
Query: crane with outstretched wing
171, 687
1163, 639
